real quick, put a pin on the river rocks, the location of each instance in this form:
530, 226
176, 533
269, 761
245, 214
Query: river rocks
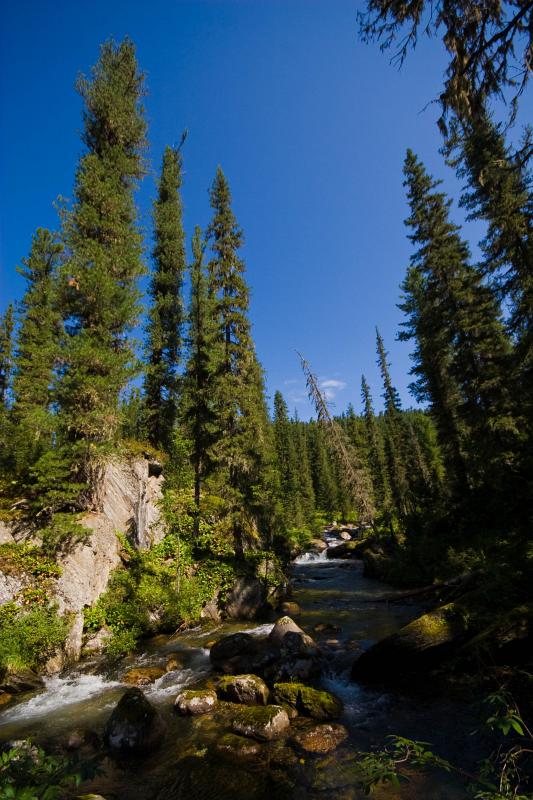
135, 726
247, 599
326, 628
16, 681
174, 661
246, 689
321, 738
350, 549
142, 676
285, 625
264, 723
414, 649
238, 748
230, 653
97, 642
5, 698
345, 536
315, 703
191, 702
317, 545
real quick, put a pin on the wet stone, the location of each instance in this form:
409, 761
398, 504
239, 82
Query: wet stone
142, 676
264, 723
238, 748
246, 689
192, 702
321, 738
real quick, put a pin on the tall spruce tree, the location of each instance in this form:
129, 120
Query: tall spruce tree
7, 326
100, 294
37, 350
286, 463
394, 439
243, 448
461, 348
304, 477
198, 410
498, 192
376, 455
325, 489
166, 313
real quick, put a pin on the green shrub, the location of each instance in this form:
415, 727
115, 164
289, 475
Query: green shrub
29, 637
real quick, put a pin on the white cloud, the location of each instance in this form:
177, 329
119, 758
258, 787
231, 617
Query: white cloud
331, 387
331, 383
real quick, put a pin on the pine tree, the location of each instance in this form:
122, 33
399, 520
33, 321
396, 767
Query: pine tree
286, 462
304, 477
461, 346
166, 313
100, 294
498, 192
243, 448
198, 411
324, 486
394, 440
7, 326
37, 350
376, 454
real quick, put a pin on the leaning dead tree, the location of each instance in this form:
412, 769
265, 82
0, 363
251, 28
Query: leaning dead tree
353, 473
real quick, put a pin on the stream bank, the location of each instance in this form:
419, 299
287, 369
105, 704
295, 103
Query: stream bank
340, 609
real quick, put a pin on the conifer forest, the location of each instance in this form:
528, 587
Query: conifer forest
205, 594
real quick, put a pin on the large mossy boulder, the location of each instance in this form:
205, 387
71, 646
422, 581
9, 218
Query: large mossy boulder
135, 726
191, 702
296, 654
414, 649
263, 723
246, 689
316, 703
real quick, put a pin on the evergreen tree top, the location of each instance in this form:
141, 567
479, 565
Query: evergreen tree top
113, 115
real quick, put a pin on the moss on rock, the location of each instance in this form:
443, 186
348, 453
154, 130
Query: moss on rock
315, 703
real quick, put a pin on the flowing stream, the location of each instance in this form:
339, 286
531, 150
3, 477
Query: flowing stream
332, 595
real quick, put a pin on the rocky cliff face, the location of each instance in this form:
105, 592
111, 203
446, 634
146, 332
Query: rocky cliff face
126, 501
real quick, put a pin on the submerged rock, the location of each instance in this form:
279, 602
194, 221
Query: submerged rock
135, 726
195, 701
321, 738
264, 723
352, 549
238, 748
174, 662
246, 689
315, 703
142, 676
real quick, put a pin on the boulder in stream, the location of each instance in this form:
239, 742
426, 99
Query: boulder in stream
16, 681
238, 748
135, 726
246, 689
142, 676
415, 648
195, 701
263, 723
316, 703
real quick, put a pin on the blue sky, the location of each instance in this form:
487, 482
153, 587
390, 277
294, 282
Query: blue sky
309, 125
